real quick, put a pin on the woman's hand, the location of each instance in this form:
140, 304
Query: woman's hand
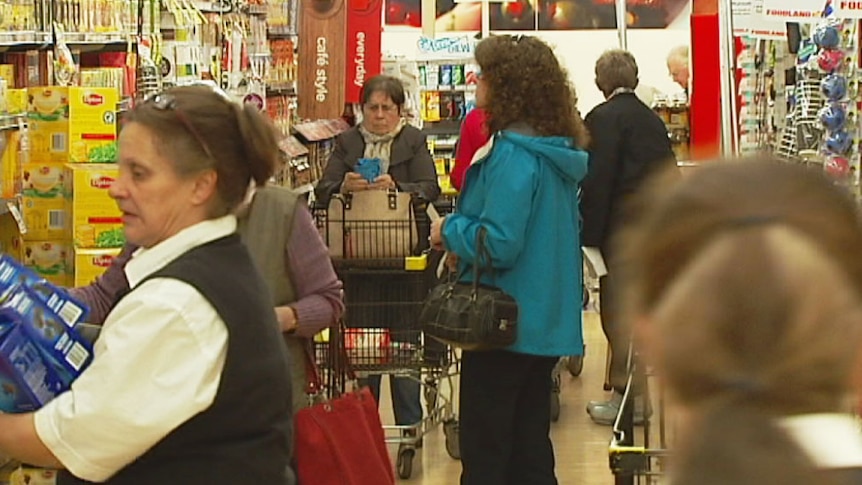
354, 182
452, 262
383, 182
436, 238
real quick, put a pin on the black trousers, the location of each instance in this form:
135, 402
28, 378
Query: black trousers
505, 419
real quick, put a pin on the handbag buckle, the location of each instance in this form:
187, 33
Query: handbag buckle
393, 200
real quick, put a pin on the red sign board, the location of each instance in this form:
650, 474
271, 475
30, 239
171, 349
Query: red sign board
363, 60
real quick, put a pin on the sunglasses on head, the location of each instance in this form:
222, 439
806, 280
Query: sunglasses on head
167, 102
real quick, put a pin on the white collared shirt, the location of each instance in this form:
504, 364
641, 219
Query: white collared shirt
831, 440
158, 363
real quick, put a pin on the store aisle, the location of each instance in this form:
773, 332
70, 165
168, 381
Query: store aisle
581, 446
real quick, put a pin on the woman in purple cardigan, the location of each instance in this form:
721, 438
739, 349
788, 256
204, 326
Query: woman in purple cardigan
292, 259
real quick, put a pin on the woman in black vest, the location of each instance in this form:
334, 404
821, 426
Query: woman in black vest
190, 383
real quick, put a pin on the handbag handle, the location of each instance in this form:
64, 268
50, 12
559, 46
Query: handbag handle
479, 268
313, 384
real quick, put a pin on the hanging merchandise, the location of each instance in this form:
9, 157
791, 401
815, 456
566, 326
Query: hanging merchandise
65, 67
838, 56
827, 36
834, 87
839, 142
830, 60
837, 166
833, 117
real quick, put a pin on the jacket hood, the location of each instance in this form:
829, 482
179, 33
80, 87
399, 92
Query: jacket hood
559, 152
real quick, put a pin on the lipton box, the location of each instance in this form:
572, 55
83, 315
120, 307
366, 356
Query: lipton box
10, 236
11, 164
89, 264
27, 381
62, 347
95, 220
72, 124
43, 207
14, 275
47, 259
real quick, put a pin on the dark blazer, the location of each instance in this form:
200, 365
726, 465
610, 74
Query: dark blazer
410, 164
629, 142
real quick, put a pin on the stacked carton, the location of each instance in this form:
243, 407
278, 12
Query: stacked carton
68, 127
41, 352
94, 224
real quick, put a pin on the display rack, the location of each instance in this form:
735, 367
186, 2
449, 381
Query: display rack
307, 152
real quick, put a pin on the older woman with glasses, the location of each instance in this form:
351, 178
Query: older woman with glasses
405, 162
191, 379
405, 165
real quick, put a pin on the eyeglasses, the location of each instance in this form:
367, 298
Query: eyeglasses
386, 108
167, 102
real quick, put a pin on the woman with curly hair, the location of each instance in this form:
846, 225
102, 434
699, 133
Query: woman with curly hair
524, 197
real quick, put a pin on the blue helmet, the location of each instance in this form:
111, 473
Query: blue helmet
834, 87
827, 36
833, 117
839, 142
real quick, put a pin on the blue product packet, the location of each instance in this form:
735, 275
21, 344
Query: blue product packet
14, 275
369, 168
27, 381
62, 347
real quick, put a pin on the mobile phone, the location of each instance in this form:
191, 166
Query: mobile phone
369, 168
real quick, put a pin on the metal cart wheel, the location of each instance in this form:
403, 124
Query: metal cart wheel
404, 462
452, 433
431, 393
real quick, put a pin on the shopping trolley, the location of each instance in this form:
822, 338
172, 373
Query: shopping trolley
383, 293
635, 458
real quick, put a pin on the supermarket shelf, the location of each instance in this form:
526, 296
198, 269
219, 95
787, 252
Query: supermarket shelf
257, 9
281, 32
10, 122
447, 127
441, 87
214, 7
281, 89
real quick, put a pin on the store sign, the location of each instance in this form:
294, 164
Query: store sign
446, 47
847, 9
323, 43
364, 54
741, 13
794, 10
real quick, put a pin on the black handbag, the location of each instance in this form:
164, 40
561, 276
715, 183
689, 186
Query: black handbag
471, 316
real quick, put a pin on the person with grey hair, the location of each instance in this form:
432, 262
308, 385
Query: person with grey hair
629, 142
677, 66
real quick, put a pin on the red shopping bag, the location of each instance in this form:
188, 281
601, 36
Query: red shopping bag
341, 442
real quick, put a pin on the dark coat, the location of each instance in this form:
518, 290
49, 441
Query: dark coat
629, 143
410, 164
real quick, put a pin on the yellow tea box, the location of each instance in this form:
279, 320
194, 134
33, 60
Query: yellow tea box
47, 259
7, 72
10, 164
95, 221
89, 264
72, 124
43, 218
10, 237
42, 204
17, 101
43, 180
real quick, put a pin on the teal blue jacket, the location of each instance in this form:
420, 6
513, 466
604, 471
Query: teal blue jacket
525, 194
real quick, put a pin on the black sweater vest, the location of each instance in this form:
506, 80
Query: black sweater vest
246, 435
